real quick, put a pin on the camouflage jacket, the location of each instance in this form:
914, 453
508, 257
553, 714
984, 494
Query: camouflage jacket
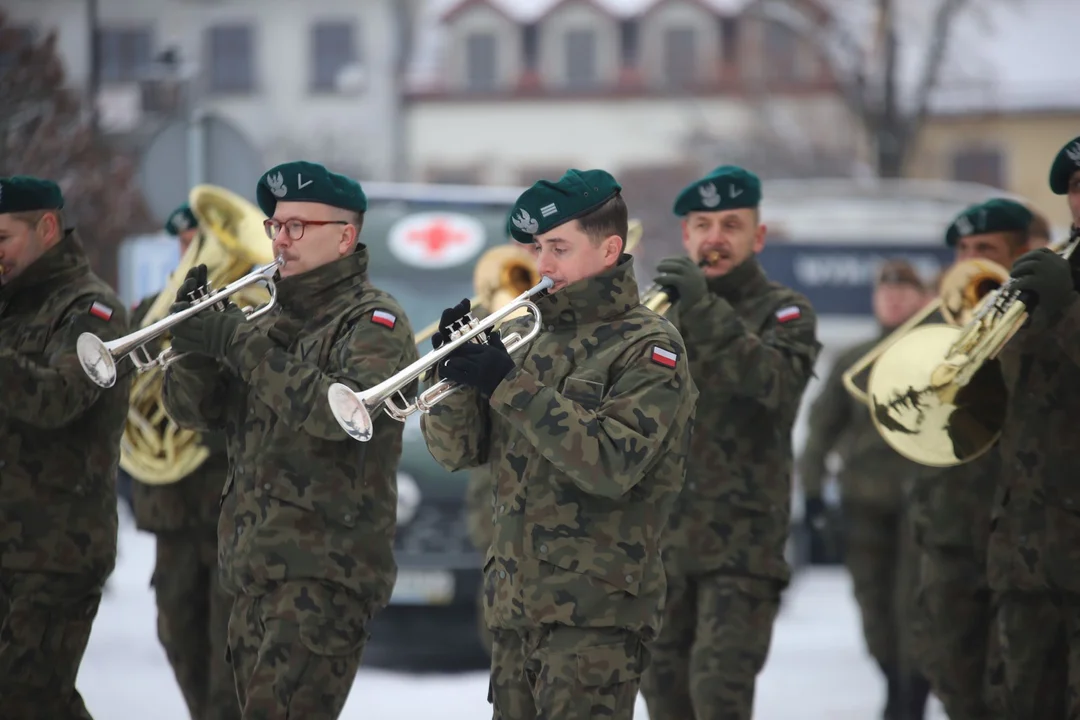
587, 439
1035, 525
303, 500
873, 473
479, 495
191, 502
59, 432
950, 507
752, 347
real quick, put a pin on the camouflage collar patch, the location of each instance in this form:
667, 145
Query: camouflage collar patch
311, 292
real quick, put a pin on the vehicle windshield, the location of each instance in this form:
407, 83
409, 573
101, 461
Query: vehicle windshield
424, 253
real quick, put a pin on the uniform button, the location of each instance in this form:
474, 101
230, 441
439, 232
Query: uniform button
78, 488
502, 574
266, 486
502, 509
348, 517
543, 548
692, 485
2, 464
629, 578
551, 328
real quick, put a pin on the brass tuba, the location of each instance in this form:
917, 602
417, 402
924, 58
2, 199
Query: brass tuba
155, 450
961, 290
937, 395
504, 272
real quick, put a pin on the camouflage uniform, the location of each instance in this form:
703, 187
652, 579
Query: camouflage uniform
952, 636
1033, 563
879, 552
193, 610
587, 437
305, 536
724, 544
59, 449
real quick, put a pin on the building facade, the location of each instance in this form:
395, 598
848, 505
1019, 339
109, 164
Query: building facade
318, 79
525, 89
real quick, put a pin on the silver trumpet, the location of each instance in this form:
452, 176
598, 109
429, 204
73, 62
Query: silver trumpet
99, 358
354, 410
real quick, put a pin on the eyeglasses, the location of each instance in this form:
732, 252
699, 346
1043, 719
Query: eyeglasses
294, 228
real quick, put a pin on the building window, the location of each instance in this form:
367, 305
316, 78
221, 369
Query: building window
780, 52
679, 60
480, 61
333, 49
231, 66
979, 166
124, 54
580, 59
729, 40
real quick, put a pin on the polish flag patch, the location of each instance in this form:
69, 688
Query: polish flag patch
381, 317
791, 312
660, 356
101, 310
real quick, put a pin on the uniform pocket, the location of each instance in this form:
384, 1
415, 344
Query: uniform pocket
585, 388
300, 492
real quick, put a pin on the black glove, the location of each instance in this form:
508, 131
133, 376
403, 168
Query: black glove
1048, 277
685, 277
208, 333
193, 281
480, 365
449, 317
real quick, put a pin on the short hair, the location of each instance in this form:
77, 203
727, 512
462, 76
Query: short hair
33, 217
610, 218
1039, 228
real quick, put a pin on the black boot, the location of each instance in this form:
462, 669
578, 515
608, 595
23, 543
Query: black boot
916, 692
892, 693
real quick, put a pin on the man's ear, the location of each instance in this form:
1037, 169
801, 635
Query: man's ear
49, 228
349, 238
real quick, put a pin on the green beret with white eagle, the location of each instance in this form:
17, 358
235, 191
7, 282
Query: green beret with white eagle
547, 204
24, 193
727, 187
992, 216
302, 181
1066, 162
181, 220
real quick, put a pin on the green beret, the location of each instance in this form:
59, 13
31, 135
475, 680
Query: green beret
22, 193
547, 204
1066, 162
181, 220
728, 187
992, 216
308, 182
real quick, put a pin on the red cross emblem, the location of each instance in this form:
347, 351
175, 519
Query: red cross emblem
436, 236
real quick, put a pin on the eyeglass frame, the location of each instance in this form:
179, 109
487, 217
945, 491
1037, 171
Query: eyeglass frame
269, 222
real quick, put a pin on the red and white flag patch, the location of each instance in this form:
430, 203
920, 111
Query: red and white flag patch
381, 317
791, 312
660, 356
101, 310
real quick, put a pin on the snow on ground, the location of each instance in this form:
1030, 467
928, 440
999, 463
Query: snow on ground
817, 668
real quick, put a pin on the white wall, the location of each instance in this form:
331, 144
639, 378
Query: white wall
282, 117
505, 136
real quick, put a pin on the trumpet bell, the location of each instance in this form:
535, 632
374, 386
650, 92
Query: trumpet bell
919, 409
96, 360
350, 412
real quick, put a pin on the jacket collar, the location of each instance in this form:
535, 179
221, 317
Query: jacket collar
311, 291
64, 260
602, 297
744, 280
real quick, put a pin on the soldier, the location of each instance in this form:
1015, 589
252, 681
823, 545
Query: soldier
950, 512
193, 610
587, 436
751, 345
305, 535
878, 549
1033, 563
59, 449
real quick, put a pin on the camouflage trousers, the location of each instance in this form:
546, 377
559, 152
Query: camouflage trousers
880, 557
486, 635
713, 643
46, 626
295, 651
1039, 636
954, 635
565, 673
193, 621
